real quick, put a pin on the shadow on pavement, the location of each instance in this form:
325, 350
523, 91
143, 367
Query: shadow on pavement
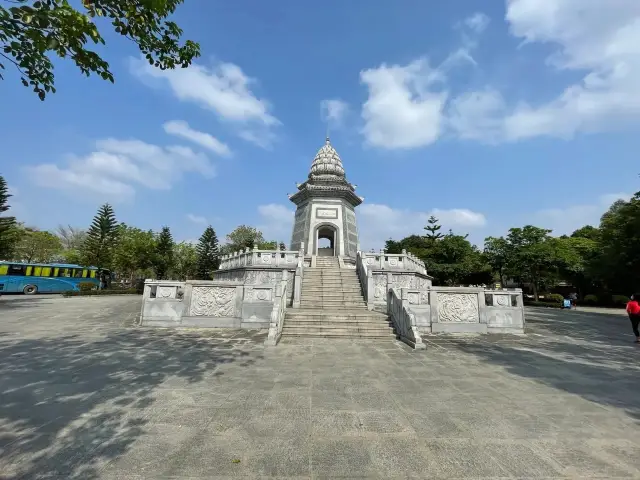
587, 355
70, 404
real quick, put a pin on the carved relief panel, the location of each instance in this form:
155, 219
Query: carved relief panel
213, 301
458, 307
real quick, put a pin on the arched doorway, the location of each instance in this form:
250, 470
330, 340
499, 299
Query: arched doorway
326, 241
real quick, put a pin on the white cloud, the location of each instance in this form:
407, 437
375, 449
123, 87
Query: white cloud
402, 111
477, 22
116, 166
566, 220
476, 116
197, 219
182, 129
409, 106
378, 223
333, 111
261, 137
223, 89
276, 222
585, 36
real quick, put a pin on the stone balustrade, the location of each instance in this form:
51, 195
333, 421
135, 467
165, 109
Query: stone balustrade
455, 310
277, 314
381, 272
214, 303
404, 261
260, 258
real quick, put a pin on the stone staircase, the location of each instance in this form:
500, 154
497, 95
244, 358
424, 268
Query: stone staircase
332, 305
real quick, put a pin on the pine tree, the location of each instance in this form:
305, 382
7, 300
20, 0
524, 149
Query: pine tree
433, 228
163, 258
8, 225
101, 238
208, 254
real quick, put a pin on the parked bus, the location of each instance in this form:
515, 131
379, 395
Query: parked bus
32, 278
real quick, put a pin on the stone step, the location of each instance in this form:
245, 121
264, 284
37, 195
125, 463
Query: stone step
333, 298
330, 279
331, 288
335, 313
331, 295
336, 333
362, 321
332, 305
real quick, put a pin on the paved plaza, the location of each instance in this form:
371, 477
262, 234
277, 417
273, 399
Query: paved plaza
85, 394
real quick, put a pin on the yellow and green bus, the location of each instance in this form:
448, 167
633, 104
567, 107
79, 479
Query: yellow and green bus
32, 278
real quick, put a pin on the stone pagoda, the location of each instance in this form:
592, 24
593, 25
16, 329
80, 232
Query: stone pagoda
329, 291
325, 208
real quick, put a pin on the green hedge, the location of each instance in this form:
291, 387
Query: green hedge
541, 303
90, 293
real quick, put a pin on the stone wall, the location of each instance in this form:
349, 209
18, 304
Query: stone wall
456, 310
209, 303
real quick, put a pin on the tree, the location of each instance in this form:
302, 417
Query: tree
37, 246
8, 225
453, 260
101, 238
496, 252
619, 264
208, 254
163, 258
433, 229
31, 33
185, 261
533, 256
134, 251
282, 246
72, 238
243, 237
576, 257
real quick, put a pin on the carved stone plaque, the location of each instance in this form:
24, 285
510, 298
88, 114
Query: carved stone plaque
458, 308
502, 300
327, 213
213, 301
166, 292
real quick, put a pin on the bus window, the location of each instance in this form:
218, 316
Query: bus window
85, 273
37, 271
93, 274
63, 272
46, 271
28, 272
4, 269
16, 270
77, 273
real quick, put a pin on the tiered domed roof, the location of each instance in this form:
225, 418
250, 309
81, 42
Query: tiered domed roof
327, 162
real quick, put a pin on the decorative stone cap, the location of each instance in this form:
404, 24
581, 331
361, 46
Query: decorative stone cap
327, 162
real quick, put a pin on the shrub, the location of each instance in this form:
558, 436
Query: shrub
86, 286
88, 293
554, 298
590, 299
619, 300
532, 303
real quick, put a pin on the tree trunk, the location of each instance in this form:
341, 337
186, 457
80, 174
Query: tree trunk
535, 290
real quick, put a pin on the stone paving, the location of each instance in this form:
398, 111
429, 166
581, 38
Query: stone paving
86, 395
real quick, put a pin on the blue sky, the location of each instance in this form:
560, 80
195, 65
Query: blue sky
513, 113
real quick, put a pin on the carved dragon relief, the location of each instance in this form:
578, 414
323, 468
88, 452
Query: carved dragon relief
213, 301
458, 307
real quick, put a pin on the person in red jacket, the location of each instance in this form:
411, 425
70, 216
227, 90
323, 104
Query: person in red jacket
633, 309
